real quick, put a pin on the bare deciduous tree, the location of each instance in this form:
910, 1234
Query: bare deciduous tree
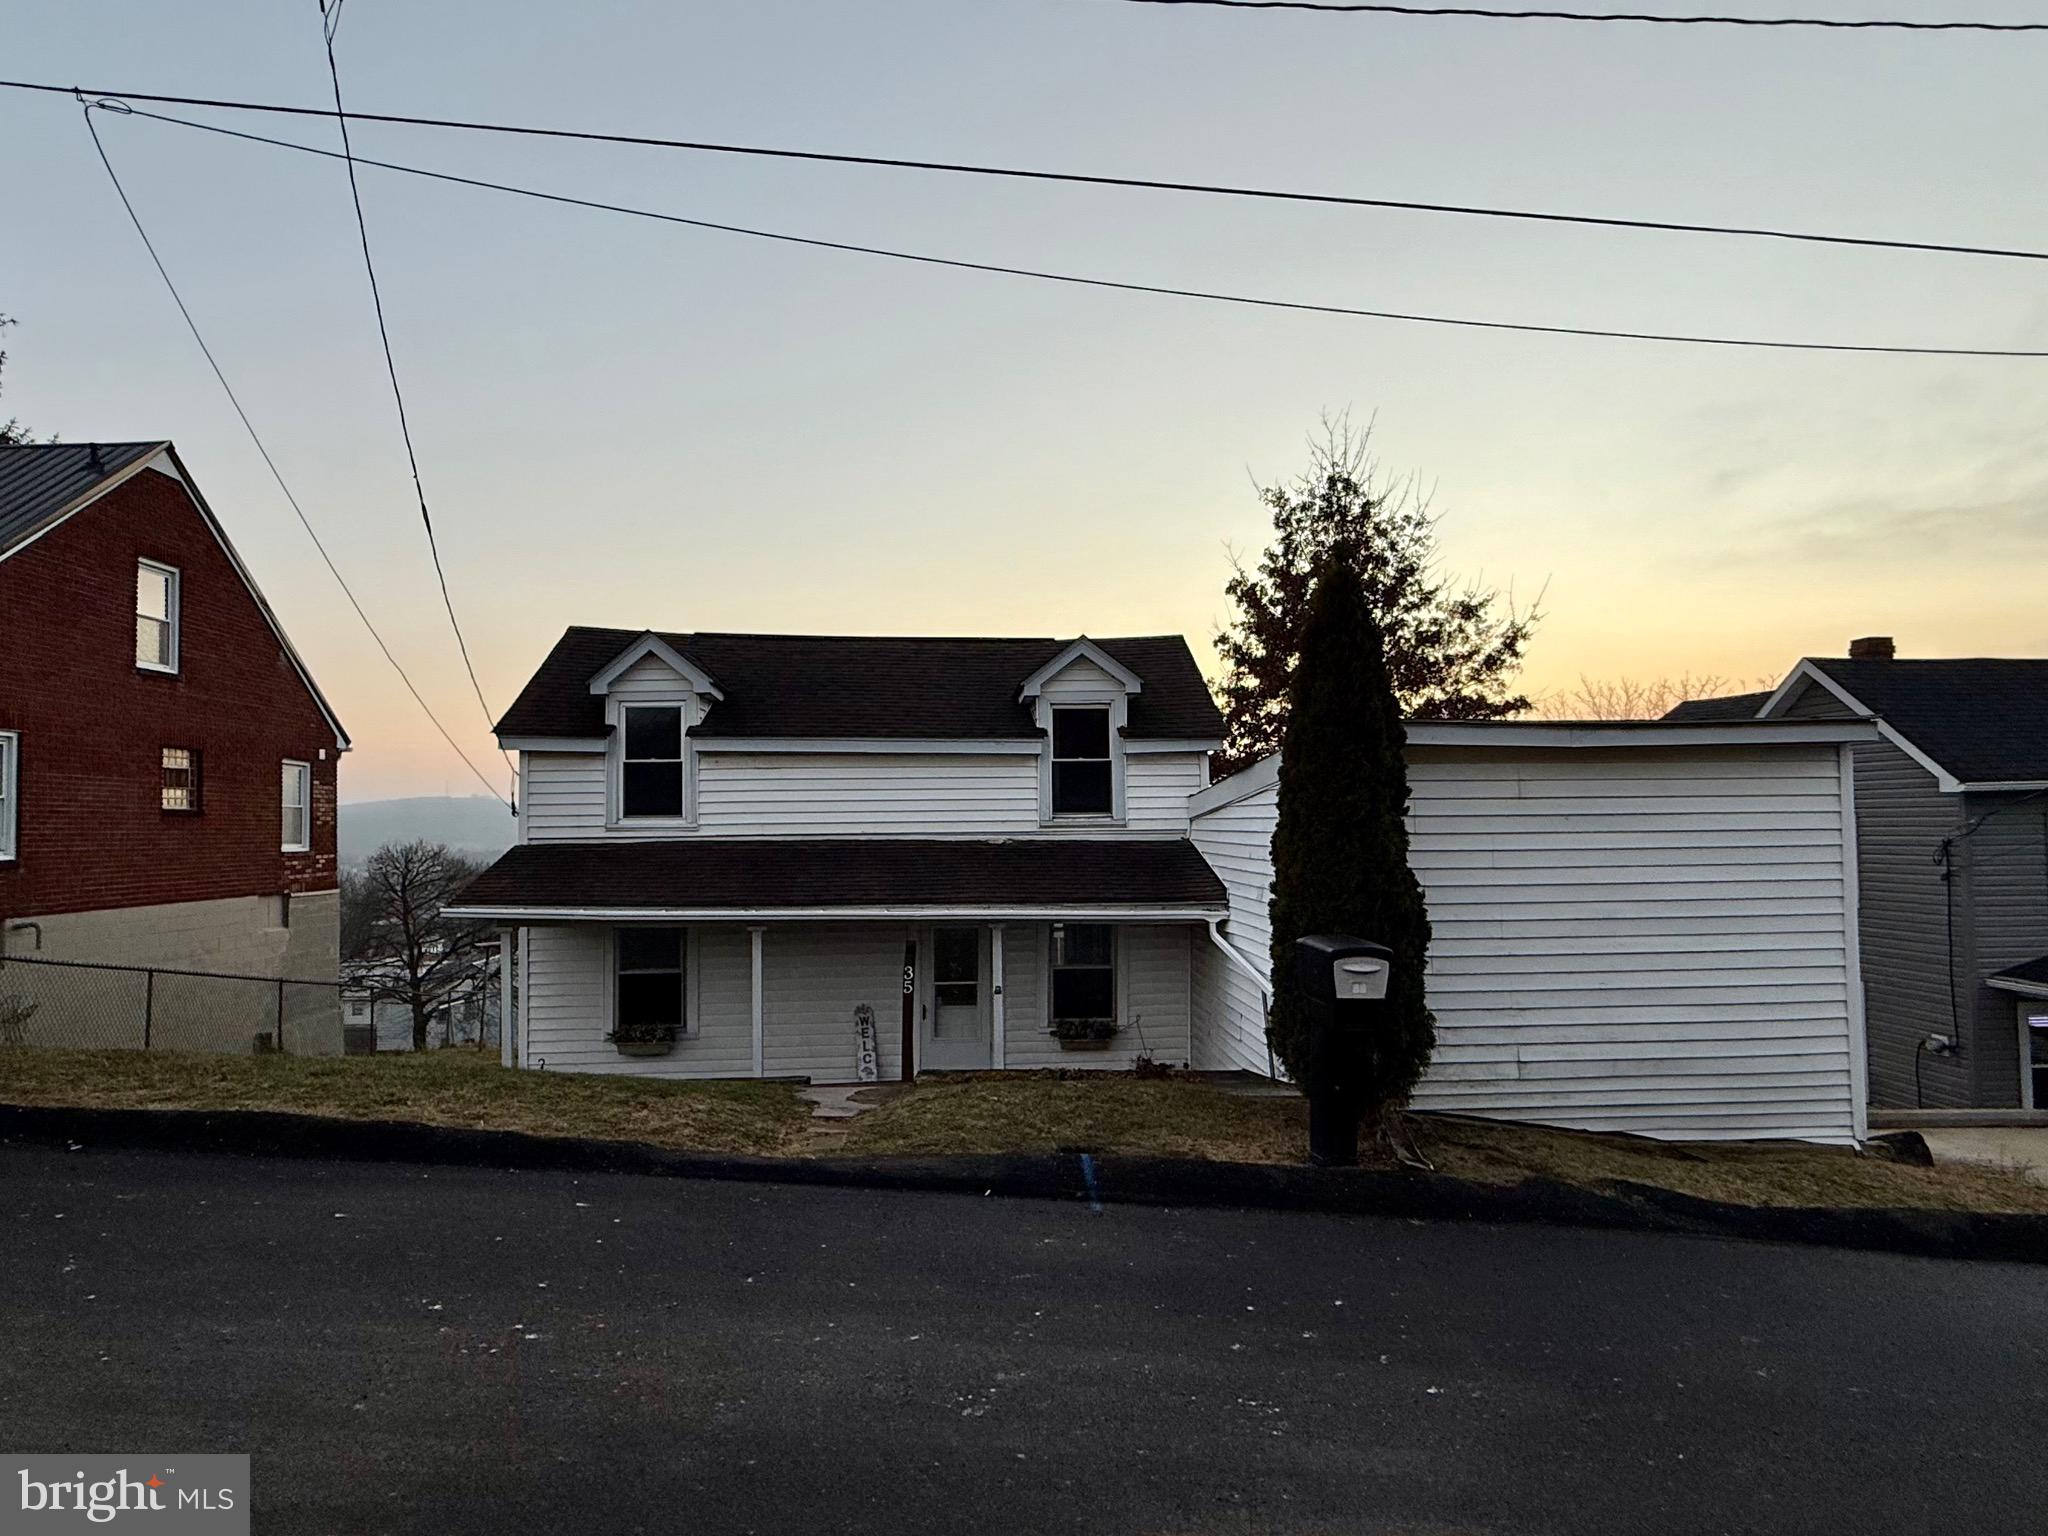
1629, 698
392, 918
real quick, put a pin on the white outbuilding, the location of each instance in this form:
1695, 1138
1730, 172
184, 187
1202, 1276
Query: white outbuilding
1637, 927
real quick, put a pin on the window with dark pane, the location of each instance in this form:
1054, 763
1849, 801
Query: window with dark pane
651, 782
956, 967
649, 993
1081, 782
1083, 973
180, 790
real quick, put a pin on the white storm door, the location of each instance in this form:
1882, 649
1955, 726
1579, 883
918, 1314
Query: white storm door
955, 1032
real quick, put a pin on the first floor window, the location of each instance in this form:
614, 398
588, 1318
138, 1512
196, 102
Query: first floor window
647, 1006
298, 807
1083, 980
10, 754
156, 616
180, 779
651, 772
1081, 769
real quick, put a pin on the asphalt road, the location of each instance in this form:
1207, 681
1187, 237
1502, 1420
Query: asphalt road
438, 1350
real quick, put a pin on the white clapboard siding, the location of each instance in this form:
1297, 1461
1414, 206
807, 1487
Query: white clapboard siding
568, 1005
1230, 1019
561, 795
855, 794
814, 976
776, 794
1638, 940
1154, 1002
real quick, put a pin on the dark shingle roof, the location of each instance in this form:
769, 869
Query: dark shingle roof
1734, 706
1983, 719
2034, 971
39, 480
767, 874
831, 685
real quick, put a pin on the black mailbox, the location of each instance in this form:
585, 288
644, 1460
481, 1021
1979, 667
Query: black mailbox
1333, 968
1342, 981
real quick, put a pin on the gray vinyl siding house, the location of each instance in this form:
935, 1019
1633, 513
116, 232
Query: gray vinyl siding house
1952, 855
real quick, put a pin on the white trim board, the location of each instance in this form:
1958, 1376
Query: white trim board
651, 644
1808, 672
767, 915
1079, 650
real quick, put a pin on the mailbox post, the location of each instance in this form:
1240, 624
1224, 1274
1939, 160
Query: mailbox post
1343, 984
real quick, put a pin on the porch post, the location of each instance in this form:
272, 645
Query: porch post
754, 942
995, 991
507, 1054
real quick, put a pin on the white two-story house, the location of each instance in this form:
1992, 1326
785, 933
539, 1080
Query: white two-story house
802, 856
780, 855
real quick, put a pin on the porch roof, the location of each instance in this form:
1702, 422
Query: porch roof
726, 878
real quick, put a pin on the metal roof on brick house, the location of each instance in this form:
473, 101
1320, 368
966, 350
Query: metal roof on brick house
40, 482
802, 686
739, 875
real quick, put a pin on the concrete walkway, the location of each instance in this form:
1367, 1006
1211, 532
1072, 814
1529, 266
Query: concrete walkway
2021, 1149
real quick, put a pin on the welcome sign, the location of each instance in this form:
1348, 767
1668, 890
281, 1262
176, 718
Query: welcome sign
148, 1494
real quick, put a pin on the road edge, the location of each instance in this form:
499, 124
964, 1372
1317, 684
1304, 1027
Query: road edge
1104, 1179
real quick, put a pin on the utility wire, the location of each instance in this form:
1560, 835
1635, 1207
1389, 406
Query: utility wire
1075, 178
397, 394
270, 463
1079, 280
1487, 13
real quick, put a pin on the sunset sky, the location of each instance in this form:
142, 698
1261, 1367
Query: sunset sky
634, 424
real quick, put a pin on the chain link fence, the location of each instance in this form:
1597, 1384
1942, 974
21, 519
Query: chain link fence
82, 1005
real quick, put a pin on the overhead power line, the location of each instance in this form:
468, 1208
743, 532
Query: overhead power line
1080, 280
271, 464
1490, 13
1073, 178
391, 370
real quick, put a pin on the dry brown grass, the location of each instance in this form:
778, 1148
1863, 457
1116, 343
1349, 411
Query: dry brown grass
1183, 1117
449, 1087
1035, 1112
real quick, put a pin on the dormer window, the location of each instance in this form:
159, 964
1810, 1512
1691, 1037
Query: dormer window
1083, 782
651, 771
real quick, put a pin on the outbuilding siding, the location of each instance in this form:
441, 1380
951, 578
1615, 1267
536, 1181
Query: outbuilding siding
1230, 1027
1654, 941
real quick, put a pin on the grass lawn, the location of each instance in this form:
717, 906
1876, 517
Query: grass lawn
1035, 1112
449, 1087
1189, 1118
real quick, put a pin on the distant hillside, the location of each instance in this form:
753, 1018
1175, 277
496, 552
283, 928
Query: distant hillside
473, 824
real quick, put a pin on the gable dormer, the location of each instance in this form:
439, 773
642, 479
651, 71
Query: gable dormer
1081, 700
654, 697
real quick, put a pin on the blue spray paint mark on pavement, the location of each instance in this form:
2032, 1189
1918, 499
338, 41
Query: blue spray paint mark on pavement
1088, 1174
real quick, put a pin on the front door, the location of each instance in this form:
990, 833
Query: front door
955, 1033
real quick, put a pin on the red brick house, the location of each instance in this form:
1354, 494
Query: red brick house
167, 765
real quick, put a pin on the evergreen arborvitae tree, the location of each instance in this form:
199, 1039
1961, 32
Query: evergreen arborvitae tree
1340, 852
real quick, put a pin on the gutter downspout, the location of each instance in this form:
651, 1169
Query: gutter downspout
1257, 978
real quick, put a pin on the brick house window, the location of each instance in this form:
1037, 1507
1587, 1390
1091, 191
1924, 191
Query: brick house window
156, 617
298, 807
180, 779
10, 762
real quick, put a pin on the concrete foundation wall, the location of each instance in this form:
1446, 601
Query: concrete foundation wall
125, 1009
